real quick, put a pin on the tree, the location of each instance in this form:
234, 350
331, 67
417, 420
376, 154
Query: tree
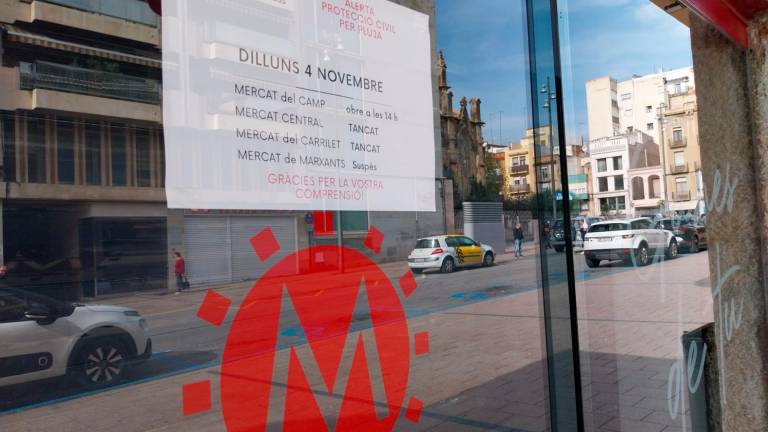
495, 180
491, 189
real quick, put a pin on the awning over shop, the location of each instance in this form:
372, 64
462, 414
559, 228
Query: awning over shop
730, 16
18, 35
683, 206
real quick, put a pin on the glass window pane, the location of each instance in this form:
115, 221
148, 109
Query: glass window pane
118, 149
8, 138
602, 184
143, 172
618, 183
602, 165
161, 156
92, 153
65, 150
36, 150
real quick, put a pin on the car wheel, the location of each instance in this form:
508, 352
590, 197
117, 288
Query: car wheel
592, 263
642, 256
99, 362
448, 265
417, 270
488, 260
672, 251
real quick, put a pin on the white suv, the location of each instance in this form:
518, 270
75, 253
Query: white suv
43, 338
633, 241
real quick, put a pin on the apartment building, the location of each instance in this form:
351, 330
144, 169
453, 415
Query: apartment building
663, 106
83, 205
520, 177
602, 107
84, 208
680, 135
545, 170
626, 174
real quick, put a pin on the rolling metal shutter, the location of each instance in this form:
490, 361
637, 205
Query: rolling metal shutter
206, 240
245, 264
218, 248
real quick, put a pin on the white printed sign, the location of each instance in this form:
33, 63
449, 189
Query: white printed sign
298, 105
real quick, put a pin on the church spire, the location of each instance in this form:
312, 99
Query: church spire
442, 79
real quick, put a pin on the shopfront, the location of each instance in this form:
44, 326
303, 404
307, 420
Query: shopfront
386, 215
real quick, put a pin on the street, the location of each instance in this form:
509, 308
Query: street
484, 368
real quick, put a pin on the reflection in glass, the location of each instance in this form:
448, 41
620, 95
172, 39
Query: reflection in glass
92, 153
65, 150
117, 135
36, 150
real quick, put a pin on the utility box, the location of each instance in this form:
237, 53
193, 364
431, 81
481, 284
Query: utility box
484, 222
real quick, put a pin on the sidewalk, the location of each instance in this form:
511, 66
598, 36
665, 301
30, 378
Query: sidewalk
484, 369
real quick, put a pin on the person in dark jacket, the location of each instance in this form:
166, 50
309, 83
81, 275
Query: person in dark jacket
517, 234
546, 231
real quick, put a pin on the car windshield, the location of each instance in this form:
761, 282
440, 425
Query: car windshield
32, 299
427, 244
608, 227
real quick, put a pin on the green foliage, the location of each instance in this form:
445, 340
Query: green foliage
494, 181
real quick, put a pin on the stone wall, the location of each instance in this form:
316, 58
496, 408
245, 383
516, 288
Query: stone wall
734, 222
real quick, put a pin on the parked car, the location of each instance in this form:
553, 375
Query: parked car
41, 337
448, 252
557, 239
633, 241
558, 232
691, 236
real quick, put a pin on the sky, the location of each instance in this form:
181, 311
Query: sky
485, 48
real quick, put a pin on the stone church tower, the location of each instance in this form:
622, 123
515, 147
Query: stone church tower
462, 139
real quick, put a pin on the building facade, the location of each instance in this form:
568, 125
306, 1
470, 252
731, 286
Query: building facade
614, 163
679, 136
83, 208
519, 176
462, 139
663, 106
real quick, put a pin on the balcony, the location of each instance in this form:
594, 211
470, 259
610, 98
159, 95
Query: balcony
679, 143
519, 169
51, 76
681, 196
130, 10
519, 189
678, 169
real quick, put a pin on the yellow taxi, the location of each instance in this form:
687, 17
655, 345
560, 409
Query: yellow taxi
447, 252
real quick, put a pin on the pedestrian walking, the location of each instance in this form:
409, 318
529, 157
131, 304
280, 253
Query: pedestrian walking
545, 236
584, 228
518, 236
180, 269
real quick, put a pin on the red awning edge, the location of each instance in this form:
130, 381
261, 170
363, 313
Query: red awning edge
723, 17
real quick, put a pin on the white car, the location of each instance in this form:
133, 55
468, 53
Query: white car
633, 241
448, 252
43, 338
